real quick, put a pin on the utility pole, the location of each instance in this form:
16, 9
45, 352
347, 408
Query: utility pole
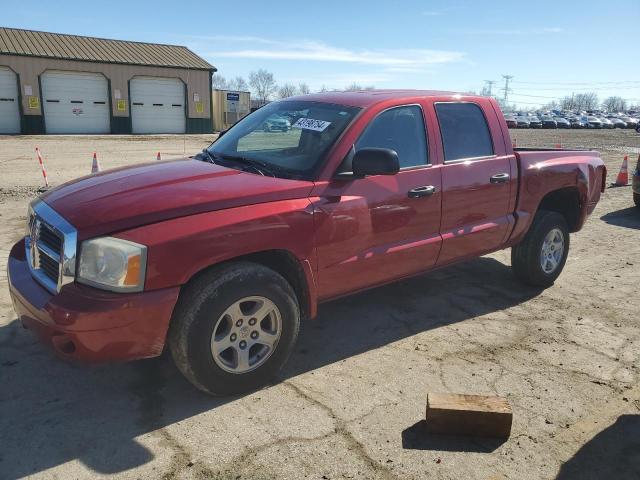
507, 79
489, 86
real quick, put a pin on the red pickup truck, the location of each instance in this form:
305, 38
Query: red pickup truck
221, 255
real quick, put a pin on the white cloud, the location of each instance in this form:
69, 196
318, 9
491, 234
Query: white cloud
431, 13
310, 50
529, 31
341, 80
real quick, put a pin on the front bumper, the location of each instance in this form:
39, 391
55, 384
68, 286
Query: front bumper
88, 324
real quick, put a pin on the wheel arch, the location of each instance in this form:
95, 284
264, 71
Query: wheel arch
567, 202
295, 271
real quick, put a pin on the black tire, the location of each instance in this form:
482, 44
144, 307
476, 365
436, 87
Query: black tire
204, 300
525, 257
636, 199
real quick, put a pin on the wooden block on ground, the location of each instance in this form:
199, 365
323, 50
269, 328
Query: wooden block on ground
474, 415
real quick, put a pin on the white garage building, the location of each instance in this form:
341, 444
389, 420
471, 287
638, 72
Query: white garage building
66, 84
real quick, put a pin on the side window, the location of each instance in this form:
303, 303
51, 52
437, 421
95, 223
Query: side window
464, 130
400, 129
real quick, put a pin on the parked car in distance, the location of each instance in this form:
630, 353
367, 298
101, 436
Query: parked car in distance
579, 122
593, 122
630, 121
606, 123
522, 121
617, 122
548, 122
276, 123
562, 122
241, 242
511, 121
534, 122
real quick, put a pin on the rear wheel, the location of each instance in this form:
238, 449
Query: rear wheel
539, 259
234, 328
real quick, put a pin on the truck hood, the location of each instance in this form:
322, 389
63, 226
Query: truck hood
129, 197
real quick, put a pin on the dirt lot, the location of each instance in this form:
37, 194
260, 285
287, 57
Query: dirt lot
350, 401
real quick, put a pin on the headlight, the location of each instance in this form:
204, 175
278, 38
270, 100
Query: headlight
113, 264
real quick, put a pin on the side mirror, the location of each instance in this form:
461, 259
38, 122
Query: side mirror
375, 161
222, 132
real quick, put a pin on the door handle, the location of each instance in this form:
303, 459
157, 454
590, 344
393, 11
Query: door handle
424, 191
500, 178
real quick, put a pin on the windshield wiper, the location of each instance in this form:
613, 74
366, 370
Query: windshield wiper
207, 156
255, 164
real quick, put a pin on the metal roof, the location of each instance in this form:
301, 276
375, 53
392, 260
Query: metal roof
15, 41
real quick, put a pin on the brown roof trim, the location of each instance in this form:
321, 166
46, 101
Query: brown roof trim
212, 69
32, 43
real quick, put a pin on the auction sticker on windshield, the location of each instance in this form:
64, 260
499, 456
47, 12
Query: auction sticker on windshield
311, 124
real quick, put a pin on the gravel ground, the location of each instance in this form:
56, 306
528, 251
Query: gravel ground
351, 399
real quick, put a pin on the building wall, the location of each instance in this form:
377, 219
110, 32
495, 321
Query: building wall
220, 105
29, 69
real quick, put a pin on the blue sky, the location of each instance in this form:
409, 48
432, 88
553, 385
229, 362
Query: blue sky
551, 48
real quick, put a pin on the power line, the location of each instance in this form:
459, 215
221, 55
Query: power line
579, 83
533, 96
582, 89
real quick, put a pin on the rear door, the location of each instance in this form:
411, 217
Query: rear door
374, 229
478, 178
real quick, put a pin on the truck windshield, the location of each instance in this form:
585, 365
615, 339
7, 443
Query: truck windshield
289, 138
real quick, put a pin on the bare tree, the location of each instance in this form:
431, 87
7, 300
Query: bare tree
587, 101
238, 83
354, 87
263, 85
580, 101
552, 105
303, 88
219, 82
287, 90
568, 103
323, 89
614, 104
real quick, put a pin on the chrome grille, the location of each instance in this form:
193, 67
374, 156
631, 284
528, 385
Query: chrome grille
50, 238
51, 247
50, 267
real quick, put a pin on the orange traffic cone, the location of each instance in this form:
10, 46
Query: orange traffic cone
95, 164
158, 158
558, 145
623, 175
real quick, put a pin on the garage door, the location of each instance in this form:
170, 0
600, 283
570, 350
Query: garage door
9, 109
75, 102
157, 105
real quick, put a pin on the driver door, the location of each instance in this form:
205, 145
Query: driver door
379, 228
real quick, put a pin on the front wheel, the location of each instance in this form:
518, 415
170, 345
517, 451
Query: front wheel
539, 259
234, 328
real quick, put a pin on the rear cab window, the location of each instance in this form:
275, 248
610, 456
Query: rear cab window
464, 130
